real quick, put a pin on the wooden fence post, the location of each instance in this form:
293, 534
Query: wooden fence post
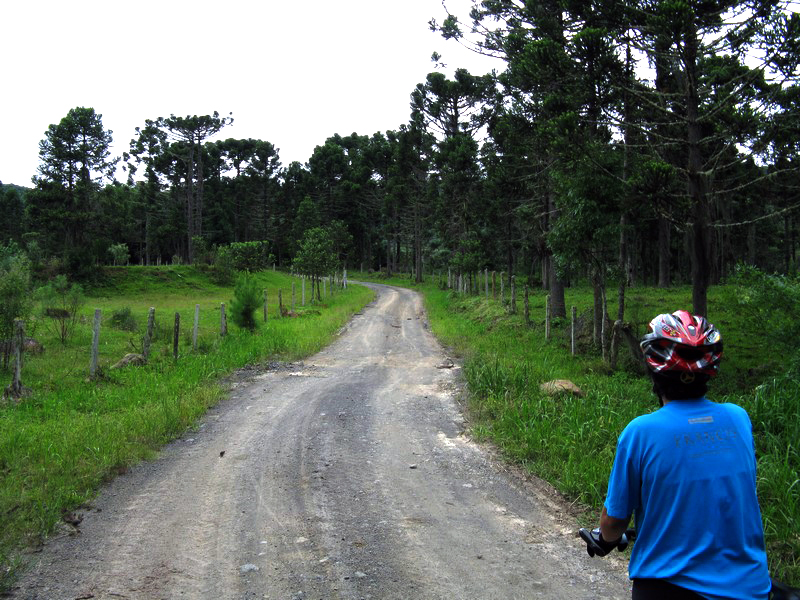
16, 389
176, 335
513, 294
148, 335
547, 318
604, 330
572, 332
223, 321
265, 305
615, 338
196, 326
280, 303
95, 344
527, 307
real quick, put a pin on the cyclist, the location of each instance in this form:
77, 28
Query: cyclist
688, 473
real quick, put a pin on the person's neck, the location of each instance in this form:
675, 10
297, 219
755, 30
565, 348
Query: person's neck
665, 400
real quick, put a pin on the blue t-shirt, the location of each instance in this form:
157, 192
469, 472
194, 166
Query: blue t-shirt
688, 472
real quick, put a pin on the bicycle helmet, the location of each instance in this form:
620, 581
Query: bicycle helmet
683, 346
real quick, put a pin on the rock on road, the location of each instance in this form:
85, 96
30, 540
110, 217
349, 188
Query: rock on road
346, 476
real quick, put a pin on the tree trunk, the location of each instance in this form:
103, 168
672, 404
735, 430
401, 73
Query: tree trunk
557, 302
417, 244
787, 242
597, 313
696, 185
198, 229
190, 204
664, 262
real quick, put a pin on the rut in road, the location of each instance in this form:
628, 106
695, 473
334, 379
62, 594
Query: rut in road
346, 476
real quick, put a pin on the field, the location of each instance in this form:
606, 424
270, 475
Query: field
570, 441
58, 445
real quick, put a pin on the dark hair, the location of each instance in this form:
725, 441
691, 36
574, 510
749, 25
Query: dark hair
679, 386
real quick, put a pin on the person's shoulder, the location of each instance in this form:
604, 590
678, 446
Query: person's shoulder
643, 423
733, 410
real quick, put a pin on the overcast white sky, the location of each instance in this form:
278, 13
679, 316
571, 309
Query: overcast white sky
292, 72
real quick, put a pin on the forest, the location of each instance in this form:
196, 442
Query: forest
622, 144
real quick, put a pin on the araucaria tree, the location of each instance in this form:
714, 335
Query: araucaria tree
75, 161
182, 138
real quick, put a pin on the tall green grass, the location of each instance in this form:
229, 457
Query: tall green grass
570, 441
60, 444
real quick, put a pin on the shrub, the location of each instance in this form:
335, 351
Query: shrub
251, 256
120, 254
15, 303
60, 304
247, 299
201, 250
222, 269
123, 319
773, 302
81, 264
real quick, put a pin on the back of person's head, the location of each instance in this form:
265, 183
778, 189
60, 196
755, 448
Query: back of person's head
682, 352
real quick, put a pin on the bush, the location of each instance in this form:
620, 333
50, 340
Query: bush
120, 254
81, 264
773, 409
251, 256
15, 303
202, 253
773, 303
123, 319
222, 269
60, 304
247, 299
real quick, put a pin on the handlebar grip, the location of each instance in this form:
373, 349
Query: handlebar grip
596, 545
781, 591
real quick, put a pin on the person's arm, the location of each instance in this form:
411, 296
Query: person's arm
612, 528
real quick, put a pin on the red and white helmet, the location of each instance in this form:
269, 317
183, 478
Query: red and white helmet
682, 344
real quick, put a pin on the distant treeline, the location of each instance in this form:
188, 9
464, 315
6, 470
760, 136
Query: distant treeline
567, 165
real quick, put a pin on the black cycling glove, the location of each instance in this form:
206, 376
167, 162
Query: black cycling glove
597, 546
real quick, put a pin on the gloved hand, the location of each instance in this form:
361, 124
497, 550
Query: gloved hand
596, 545
781, 591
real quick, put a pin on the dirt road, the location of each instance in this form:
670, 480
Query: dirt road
347, 476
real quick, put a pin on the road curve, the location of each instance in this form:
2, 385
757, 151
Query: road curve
347, 476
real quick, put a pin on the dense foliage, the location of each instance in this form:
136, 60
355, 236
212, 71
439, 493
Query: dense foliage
635, 142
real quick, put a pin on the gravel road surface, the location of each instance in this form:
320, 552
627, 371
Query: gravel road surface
346, 476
